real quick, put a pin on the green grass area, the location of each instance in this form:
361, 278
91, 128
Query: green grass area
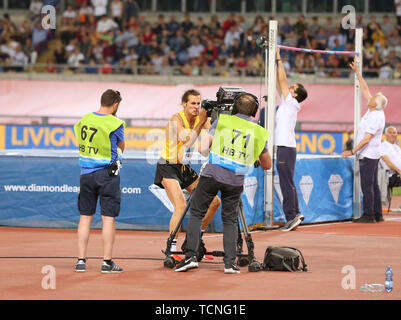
397, 191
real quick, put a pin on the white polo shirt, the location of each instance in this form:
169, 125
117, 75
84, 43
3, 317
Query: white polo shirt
372, 122
393, 151
285, 121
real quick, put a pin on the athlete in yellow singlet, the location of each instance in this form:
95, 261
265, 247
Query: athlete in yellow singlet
172, 172
174, 150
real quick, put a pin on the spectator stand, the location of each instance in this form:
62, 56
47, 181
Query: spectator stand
155, 37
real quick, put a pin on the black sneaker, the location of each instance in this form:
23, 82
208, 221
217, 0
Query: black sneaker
292, 224
201, 251
367, 218
111, 268
379, 217
232, 270
186, 264
80, 266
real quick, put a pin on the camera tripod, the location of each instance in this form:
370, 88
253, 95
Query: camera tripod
242, 259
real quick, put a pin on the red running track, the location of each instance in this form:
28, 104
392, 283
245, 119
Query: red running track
327, 249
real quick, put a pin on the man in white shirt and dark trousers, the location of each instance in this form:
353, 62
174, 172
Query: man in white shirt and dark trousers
391, 157
284, 139
367, 149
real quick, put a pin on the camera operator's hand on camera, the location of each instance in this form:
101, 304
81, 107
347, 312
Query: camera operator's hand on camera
203, 115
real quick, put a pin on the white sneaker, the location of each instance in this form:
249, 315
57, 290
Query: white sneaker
232, 270
292, 224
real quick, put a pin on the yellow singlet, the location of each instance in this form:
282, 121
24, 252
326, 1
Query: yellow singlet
174, 150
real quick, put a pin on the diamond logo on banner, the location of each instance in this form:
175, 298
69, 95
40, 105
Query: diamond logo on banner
276, 183
162, 196
335, 185
250, 187
306, 186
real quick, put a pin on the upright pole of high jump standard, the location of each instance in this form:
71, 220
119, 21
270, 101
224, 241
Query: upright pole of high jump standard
356, 205
270, 82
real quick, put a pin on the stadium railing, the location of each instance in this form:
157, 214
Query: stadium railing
223, 71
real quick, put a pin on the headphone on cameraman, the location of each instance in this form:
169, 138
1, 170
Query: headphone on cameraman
256, 102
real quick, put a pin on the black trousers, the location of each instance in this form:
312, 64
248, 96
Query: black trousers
370, 186
205, 191
286, 158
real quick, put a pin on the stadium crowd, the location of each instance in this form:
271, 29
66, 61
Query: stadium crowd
111, 36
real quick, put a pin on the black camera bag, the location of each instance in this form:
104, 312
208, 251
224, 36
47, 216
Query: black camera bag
283, 259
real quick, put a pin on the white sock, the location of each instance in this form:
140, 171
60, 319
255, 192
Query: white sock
174, 245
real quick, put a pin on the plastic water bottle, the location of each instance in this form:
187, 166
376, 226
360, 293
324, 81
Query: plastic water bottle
388, 284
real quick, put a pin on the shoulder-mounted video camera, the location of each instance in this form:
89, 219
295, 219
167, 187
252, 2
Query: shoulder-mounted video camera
224, 102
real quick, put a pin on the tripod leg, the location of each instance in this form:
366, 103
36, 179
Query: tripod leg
248, 237
243, 260
169, 262
239, 240
254, 265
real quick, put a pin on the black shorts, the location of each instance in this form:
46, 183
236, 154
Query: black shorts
184, 174
96, 185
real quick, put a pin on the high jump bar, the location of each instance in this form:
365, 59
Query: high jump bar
318, 51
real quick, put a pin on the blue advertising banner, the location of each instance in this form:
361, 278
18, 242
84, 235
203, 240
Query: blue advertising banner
324, 188
42, 191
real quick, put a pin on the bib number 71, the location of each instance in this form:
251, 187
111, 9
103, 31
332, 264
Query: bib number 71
237, 134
